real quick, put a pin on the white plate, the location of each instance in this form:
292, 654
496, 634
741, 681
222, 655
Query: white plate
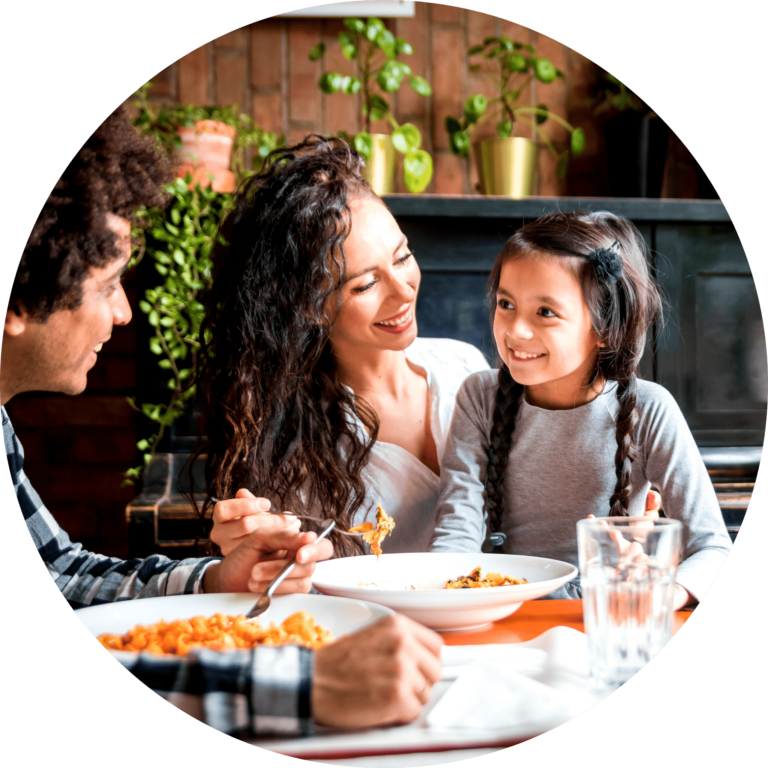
442, 609
336, 614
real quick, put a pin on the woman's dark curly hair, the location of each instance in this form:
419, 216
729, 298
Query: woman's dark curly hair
622, 305
277, 419
116, 171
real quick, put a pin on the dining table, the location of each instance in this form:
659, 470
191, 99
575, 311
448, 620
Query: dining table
413, 744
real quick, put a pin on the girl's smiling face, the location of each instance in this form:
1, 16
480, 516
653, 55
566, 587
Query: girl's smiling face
544, 333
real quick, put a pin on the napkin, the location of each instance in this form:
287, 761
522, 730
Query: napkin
540, 683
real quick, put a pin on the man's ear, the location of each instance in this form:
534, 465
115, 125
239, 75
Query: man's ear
16, 321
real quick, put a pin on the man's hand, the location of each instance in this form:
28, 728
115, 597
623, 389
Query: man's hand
261, 555
378, 676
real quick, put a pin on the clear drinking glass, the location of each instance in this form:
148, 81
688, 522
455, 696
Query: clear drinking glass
628, 567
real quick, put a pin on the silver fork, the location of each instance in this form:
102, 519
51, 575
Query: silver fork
301, 517
265, 600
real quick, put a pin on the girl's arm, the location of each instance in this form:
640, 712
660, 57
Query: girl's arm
460, 520
674, 465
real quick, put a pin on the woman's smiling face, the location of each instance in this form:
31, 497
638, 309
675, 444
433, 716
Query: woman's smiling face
543, 331
381, 284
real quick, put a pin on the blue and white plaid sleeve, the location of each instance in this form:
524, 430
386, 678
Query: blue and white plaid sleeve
262, 691
86, 578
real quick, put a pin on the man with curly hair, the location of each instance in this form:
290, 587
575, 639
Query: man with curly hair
65, 300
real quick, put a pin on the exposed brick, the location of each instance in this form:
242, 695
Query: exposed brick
266, 54
123, 339
96, 483
231, 40
445, 14
268, 111
60, 410
555, 97
230, 79
449, 174
448, 80
116, 374
296, 135
94, 444
304, 94
479, 27
162, 83
193, 77
414, 30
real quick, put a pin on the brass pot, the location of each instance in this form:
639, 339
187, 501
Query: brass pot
379, 171
506, 166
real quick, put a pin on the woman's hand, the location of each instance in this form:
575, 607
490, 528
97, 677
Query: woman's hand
252, 560
378, 676
234, 520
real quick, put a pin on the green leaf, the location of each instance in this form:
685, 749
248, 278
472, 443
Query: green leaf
562, 166
387, 82
346, 39
516, 62
349, 51
175, 216
417, 170
364, 144
474, 107
142, 445
489, 40
578, 141
165, 364
317, 52
541, 119
377, 107
373, 28
353, 85
401, 46
545, 70
452, 124
504, 128
154, 319
386, 41
330, 82
406, 138
474, 67
475, 49
460, 143
145, 307
506, 43
420, 85
559, 73
355, 25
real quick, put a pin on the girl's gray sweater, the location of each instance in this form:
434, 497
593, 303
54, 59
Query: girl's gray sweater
561, 468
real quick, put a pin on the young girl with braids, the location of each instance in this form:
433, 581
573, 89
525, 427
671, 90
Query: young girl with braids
564, 428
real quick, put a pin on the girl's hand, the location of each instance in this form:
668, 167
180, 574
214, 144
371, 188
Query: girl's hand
234, 520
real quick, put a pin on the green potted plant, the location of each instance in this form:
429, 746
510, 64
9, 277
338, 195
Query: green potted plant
375, 52
636, 140
208, 142
507, 163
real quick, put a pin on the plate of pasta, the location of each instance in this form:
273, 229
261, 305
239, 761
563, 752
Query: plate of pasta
444, 591
175, 624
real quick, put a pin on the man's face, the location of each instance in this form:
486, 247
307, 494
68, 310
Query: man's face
57, 354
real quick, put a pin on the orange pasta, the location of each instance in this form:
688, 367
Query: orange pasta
474, 580
374, 536
218, 632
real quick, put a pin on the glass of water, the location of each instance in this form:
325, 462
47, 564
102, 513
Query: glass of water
628, 567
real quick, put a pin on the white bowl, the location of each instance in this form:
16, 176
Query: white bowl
429, 603
336, 614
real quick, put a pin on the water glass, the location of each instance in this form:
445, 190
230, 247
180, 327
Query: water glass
628, 567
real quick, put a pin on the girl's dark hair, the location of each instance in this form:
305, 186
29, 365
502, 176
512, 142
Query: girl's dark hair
277, 419
116, 171
621, 312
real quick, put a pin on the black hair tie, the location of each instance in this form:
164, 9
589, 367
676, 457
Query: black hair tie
606, 263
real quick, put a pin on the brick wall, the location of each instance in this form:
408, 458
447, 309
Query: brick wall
266, 70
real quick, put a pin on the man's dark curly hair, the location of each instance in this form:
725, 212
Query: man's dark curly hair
116, 171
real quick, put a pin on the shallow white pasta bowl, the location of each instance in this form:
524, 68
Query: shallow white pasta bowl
337, 614
389, 579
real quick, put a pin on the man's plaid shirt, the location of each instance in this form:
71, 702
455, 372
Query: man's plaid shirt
265, 690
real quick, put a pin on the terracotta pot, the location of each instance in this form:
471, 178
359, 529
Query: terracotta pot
206, 150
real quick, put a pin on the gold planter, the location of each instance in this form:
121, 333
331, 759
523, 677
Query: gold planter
506, 166
379, 171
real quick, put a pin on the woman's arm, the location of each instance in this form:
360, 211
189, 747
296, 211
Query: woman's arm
460, 519
674, 465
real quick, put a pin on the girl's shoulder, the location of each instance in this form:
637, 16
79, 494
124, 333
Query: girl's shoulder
658, 408
447, 356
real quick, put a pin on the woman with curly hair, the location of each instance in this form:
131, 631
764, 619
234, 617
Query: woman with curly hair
317, 393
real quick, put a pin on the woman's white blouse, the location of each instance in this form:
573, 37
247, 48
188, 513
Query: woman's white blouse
405, 487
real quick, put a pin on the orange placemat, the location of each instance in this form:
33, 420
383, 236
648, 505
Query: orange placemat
531, 620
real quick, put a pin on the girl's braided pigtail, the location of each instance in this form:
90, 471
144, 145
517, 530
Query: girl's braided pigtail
625, 427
